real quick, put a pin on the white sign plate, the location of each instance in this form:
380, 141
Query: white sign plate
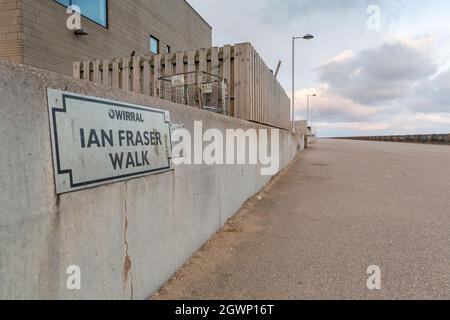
97, 141
207, 88
178, 80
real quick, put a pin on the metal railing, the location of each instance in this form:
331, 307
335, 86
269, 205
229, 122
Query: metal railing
196, 89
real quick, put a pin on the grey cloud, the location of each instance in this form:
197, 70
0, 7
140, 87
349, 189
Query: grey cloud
432, 95
335, 115
441, 89
377, 76
290, 9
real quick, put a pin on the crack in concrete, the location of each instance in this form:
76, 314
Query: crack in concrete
127, 263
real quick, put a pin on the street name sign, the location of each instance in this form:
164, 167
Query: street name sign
98, 141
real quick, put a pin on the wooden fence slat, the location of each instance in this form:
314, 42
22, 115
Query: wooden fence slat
266, 110
151, 60
191, 77
226, 73
191, 61
115, 81
247, 76
248, 100
136, 79
244, 88
77, 70
261, 113
258, 88
168, 65
251, 85
146, 76
265, 73
168, 71
237, 80
181, 93
261, 95
86, 70
157, 74
202, 67
264, 92
202, 62
215, 61
96, 71
179, 58
257, 93
255, 85
105, 73
126, 74
215, 69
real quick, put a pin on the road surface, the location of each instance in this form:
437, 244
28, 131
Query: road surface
338, 209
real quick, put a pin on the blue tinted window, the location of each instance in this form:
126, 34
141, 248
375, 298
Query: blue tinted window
154, 45
64, 2
96, 10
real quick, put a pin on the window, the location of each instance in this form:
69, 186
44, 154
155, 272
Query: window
154, 45
95, 10
169, 49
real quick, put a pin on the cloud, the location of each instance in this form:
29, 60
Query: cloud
393, 88
374, 84
434, 118
330, 107
431, 95
291, 9
377, 75
402, 123
358, 126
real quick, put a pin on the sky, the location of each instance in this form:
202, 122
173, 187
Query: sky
378, 67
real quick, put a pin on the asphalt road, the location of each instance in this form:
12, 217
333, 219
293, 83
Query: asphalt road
313, 232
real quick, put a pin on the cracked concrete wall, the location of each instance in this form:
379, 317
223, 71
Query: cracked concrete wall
128, 237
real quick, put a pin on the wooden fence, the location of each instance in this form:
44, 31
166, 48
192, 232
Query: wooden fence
254, 94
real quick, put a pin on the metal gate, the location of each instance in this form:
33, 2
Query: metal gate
197, 89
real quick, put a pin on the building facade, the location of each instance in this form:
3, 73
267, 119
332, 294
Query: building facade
35, 32
302, 128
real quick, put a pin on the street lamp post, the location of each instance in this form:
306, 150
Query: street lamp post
307, 106
306, 37
314, 120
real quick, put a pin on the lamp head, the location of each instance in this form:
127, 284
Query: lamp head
80, 32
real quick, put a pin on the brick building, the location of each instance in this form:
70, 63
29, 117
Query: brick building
34, 32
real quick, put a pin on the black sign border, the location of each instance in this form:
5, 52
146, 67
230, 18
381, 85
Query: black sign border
86, 184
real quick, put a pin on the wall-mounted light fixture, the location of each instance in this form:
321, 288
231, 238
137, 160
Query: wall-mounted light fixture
80, 32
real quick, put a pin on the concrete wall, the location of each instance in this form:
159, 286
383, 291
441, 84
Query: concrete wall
301, 127
127, 237
34, 32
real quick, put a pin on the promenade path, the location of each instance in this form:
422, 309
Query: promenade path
341, 207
